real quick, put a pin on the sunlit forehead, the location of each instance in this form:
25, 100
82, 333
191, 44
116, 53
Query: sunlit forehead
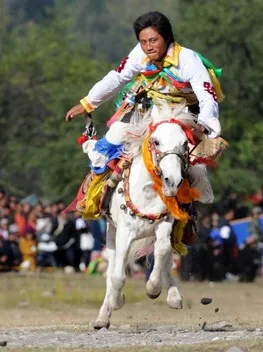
148, 35
169, 136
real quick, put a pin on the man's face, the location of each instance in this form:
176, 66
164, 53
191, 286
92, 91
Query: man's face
152, 43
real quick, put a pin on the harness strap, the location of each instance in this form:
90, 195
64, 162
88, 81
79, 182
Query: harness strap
134, 210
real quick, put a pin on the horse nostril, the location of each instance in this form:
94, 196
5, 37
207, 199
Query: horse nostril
168, 182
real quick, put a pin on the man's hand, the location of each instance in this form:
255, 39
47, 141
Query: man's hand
75, 111
200, 128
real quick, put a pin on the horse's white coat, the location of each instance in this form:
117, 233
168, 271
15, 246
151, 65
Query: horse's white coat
126, 231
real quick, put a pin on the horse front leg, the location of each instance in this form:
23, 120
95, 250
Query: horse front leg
162, 248
124, 239
103, 319
174, 298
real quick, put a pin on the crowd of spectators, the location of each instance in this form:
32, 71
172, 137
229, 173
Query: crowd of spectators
219, 254
36, 237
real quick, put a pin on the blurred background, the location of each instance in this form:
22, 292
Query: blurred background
51, 54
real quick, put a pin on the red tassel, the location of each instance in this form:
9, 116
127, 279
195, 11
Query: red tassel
82, 139
206, 161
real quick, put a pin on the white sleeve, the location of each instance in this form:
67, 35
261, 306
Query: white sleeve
114, 80
193, 71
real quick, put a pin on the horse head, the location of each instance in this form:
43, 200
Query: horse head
168, 141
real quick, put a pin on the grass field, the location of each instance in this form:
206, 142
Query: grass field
52, 301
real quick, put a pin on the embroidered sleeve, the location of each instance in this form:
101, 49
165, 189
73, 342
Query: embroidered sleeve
194, 71
110, 84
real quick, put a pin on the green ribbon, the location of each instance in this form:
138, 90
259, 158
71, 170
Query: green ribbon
208, 64
122, 92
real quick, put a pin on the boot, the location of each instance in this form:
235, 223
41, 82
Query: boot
190, 236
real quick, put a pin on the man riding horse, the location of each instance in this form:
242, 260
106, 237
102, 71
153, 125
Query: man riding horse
158, 68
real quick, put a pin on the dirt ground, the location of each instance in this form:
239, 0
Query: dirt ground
54, 311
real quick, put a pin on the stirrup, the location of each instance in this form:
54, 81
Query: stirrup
90, 131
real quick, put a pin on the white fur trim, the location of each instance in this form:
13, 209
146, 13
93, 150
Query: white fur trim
199, 180
88, 145
117, 133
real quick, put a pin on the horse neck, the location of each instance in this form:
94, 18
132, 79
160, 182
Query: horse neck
141, 189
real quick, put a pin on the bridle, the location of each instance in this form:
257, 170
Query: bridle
157, 155
152, 157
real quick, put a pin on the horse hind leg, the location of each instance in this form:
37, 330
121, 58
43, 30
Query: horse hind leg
174, 298
161, 249
103, 319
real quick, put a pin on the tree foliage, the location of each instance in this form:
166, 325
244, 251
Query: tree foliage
52, 52
43, 72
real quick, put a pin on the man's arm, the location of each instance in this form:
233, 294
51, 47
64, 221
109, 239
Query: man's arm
110, 84
195, 72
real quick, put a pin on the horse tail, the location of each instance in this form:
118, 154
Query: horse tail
140, 248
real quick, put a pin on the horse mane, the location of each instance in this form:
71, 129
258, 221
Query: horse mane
138, 128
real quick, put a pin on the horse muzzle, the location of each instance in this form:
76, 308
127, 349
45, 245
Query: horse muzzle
170, 187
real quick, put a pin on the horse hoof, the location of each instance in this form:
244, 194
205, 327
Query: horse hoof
99, 324
153, 290
153, 296
175, 304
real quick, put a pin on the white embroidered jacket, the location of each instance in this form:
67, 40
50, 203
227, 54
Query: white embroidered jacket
189, 68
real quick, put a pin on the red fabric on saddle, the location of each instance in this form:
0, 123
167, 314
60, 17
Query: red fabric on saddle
80, 196
81, 192
112, 164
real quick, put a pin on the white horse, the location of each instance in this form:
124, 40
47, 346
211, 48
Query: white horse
128, 231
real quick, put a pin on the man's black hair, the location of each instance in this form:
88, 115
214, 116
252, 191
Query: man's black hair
158, 21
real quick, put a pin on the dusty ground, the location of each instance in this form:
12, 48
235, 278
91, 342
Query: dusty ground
53, 312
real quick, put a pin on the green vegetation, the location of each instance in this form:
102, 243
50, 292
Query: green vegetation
53, 51
39, 290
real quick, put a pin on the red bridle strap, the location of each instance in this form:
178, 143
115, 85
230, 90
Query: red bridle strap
185, 128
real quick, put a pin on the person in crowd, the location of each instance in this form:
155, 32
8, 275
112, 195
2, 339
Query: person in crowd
3, 202
12, 203
4, 228
31, 220
194, 266
28, 249
229, 241
98, 230
46, 245
13, 242
249, 260
85, 239
5, 255
20, 219
64, 234
255, 227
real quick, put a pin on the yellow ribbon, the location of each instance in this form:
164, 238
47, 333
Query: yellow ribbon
93, 196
